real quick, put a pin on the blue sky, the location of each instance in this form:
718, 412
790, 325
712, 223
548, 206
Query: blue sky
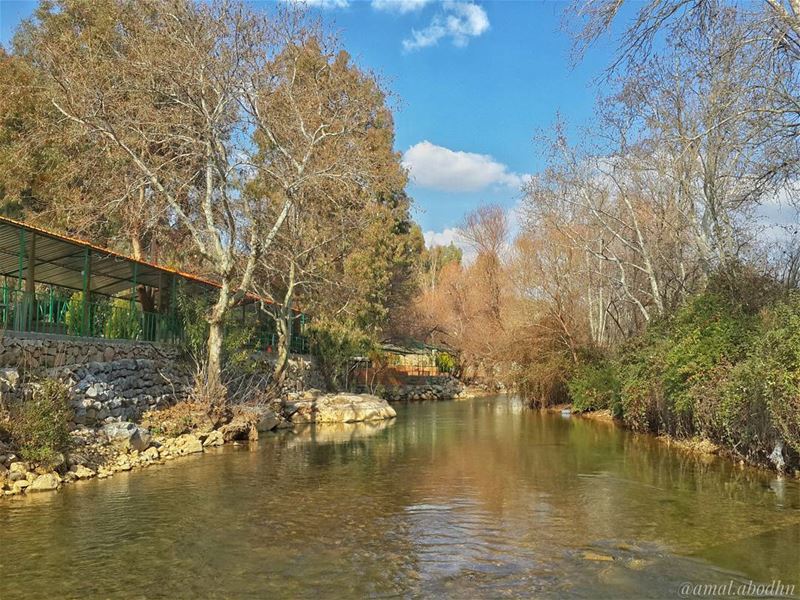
473, 82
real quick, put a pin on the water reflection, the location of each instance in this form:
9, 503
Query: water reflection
467, 499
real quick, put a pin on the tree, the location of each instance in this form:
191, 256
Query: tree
380, 270
195, 97
765, 33
434, 259
332, 115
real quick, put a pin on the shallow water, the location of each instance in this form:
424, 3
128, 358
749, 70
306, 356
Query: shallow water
479, 498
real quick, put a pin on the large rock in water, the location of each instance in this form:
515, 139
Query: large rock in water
45, 483
128, 435
339, 408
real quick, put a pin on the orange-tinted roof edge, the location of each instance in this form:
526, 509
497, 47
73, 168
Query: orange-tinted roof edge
86, 244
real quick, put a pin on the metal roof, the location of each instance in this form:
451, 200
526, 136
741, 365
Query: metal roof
59, 260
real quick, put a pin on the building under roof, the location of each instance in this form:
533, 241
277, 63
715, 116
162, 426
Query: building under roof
60, 285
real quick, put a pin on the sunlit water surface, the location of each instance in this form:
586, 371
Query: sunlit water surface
479, 498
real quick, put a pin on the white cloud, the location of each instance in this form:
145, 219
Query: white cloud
324, 4
399, 6
449, 236
458, 21
440, 168
442, 238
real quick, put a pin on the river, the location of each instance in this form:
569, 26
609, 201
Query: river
477, 498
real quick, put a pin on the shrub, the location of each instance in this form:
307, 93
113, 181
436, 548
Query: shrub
334, 344
733, 411
98, 315
445, 362
123, 321
595, 386
777, 359
40, 424
543, 382
664, 373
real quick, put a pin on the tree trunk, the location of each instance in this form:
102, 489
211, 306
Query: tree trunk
214, 387
283, 323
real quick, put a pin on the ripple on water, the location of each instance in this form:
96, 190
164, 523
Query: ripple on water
466, 499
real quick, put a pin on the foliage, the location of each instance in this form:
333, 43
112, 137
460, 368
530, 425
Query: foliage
776, 367
99, 310
39, 424
380, 271
123, 321
74, 315
664, 374
445, 362
726, 367
542, 381
237, 344
335, 343
594, 386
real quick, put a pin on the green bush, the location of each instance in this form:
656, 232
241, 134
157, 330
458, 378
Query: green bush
74, 314
334, 344
39, 424
445, 362
777, 360
664, 374
123, 321
595, 386
98, 315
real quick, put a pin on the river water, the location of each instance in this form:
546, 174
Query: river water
478, 498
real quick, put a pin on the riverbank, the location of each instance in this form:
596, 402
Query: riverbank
696, 445
182, 429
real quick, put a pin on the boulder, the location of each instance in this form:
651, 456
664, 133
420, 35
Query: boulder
20, 486
17, 471
45, 483
151, 454
128, 435
263, 418
340, 408
239, 428
84, 472
214, 438
188, 444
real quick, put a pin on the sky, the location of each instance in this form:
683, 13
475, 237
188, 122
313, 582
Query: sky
472, 83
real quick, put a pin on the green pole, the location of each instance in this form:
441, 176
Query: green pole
20, 306
87, 275
21, 256
132, 309
173, 300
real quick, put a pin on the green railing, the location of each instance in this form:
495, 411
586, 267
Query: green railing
57, 313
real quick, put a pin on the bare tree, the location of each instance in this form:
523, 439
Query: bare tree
325, 144
195, 96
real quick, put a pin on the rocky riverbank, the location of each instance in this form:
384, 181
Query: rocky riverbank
440, 388
180, 430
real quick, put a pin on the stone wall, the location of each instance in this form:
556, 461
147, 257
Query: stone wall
118, 380
302, 372
108, 380
34, 352
121, 390
439, 388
